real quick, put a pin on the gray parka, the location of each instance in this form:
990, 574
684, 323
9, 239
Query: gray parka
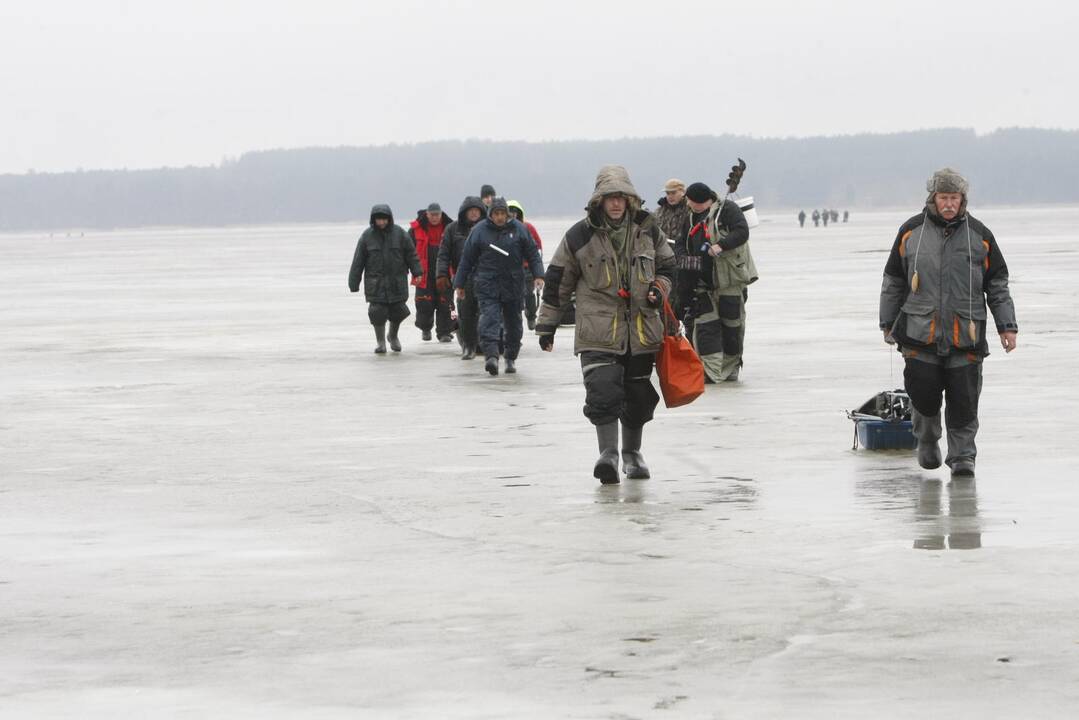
585, 264
382, 260
959, 268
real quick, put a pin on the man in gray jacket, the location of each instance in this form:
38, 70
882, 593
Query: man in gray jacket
620, 267
943, 268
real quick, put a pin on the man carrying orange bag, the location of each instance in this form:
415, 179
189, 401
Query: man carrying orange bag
620, 267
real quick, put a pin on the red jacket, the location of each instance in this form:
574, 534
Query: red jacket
535, 236
425, 236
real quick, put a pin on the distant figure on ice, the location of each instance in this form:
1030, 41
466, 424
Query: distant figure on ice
487, 195
835, 216
816, 218
384, 256
801, 218
620, 266
530, 288
824, 215
719, 241
943, 267
846, 215
432, 304
472, 210
495, 254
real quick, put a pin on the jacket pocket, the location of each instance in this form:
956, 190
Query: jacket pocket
597, 329
919, 324
649, 327
598, 273
968, 327
646, 269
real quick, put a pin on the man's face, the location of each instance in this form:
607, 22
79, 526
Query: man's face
499, 217
614, 206
515, 213
675, 196
486, 199
948, 204
473, 214
435, 218
382, 222
699, 206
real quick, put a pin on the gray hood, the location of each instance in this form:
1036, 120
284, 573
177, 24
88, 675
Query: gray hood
381, 209
471, 202
614, 179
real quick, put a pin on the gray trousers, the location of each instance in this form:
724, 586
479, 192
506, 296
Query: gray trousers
954, 381
719, 330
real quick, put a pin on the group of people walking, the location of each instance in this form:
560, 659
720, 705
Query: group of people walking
487, 261
620, 264
824, 215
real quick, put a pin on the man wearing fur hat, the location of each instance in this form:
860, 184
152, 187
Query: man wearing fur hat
715, 271
620, 267
944, 267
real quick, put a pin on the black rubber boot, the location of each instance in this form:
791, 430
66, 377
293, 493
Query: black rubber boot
929, 455
606, 468
511, 368
633, 464
426, 335
963, 468
395, 344
380, 336
491, 365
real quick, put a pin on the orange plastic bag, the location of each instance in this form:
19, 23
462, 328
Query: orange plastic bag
680, 370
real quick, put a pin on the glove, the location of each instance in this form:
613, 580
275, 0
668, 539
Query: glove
546, 342
443, 284
655, 295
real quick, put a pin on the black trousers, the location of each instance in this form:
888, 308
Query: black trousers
433, 310
618, 387
930, 384
379, 313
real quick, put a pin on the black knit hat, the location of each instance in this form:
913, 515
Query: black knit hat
698, 192
487, 190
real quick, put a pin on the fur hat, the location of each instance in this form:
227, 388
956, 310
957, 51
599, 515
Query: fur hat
947, 180
499, 203
486, 191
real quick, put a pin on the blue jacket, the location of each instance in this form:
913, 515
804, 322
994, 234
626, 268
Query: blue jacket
497, 274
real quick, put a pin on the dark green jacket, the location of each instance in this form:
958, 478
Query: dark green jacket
383, 259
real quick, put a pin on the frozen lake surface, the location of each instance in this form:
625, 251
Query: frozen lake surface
218, 502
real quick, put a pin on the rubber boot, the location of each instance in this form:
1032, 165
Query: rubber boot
963, 468
633, 464
606, 468
511, 367
395, 344
927, 431
380, 336
491, 366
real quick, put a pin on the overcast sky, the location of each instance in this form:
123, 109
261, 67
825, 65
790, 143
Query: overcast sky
111, 84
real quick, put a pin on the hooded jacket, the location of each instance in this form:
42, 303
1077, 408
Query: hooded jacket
383, 258
531, 230
454, 237
494, 258
426, 237
586, 263
959, 268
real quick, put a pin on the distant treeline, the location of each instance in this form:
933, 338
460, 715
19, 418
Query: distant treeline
1019, 165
